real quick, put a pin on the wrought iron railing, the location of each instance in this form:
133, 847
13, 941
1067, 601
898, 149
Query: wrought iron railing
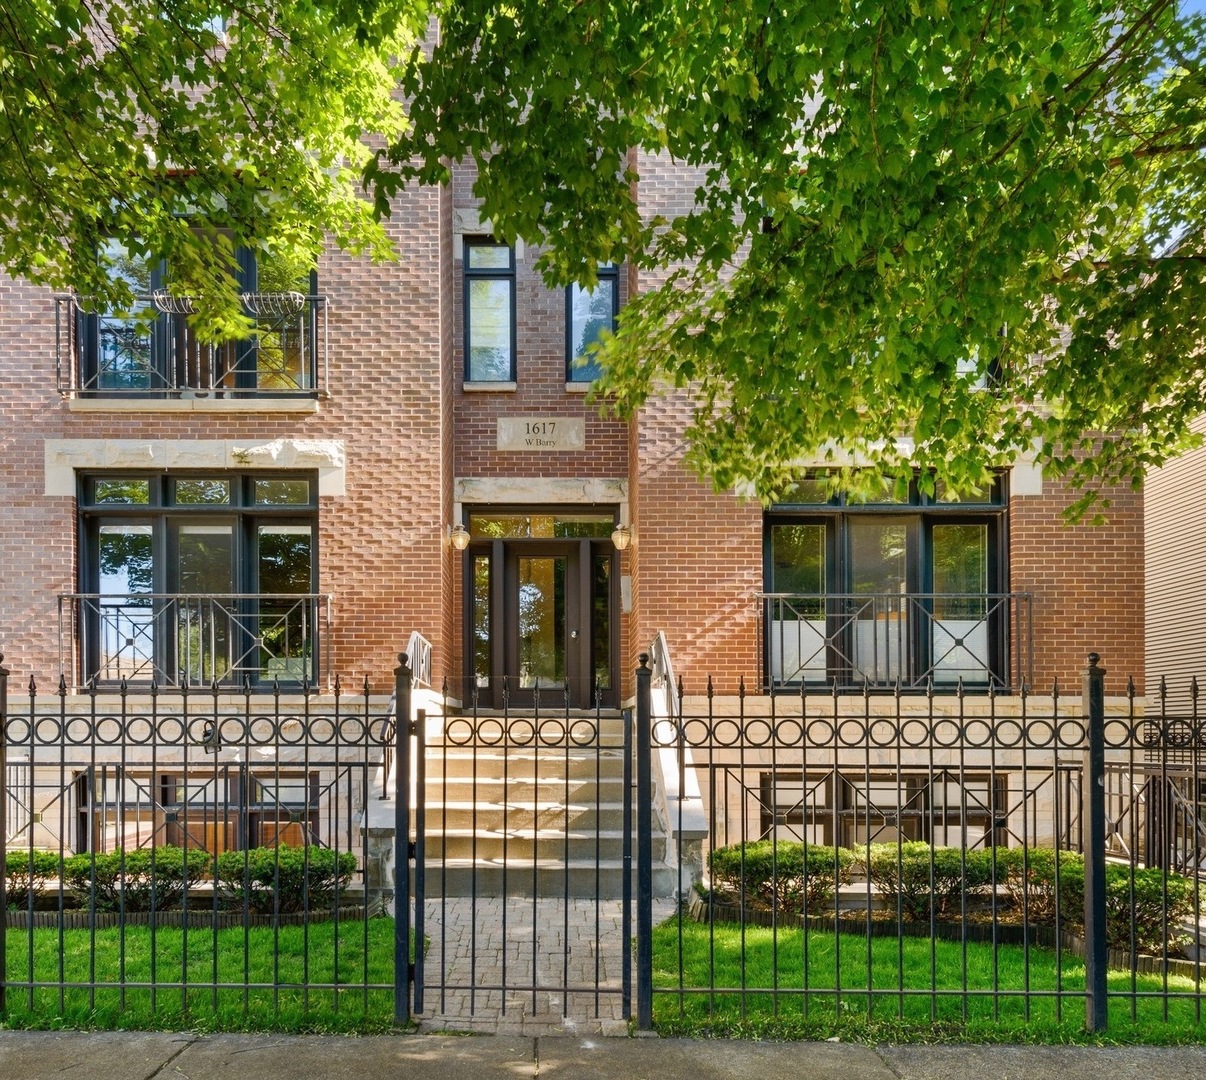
889, 639
154, 350
180, 639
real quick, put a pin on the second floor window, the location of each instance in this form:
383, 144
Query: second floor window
489, 312
153, 349
588, 312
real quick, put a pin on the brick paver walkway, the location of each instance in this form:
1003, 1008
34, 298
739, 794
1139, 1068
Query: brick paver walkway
484, 957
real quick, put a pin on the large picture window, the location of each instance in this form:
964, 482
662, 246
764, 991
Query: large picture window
197, 579
588, 312
907, 591
489, 312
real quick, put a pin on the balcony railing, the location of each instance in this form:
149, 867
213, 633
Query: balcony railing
882, 640
152, 351
175, 639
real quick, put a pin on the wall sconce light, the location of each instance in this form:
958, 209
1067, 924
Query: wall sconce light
459, 536
621, 537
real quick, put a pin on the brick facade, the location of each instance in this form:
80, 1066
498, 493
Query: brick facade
414, 439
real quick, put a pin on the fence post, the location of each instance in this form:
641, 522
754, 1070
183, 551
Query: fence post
1093, 702
402, 732
644, 825
4, 834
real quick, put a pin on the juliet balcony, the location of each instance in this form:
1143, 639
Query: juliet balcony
152, 351
912, 640
230, 640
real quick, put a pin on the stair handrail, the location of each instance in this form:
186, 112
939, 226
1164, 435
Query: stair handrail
418, 652
677, 798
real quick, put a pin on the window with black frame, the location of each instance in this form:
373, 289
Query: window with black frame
902, 590
153, 349
489, 299
588, 313
195, 579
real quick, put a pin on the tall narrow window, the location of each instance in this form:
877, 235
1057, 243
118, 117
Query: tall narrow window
489, 312
588, 312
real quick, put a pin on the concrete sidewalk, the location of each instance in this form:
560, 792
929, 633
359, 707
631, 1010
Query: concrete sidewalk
152, 1056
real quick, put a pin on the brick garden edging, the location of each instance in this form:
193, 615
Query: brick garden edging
206, 920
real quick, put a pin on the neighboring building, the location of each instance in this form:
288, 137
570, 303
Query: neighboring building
1175, 577
286, 509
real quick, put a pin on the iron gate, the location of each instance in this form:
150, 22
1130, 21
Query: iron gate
522, 878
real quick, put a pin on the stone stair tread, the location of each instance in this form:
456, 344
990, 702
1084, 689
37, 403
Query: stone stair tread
498, 806
537, 834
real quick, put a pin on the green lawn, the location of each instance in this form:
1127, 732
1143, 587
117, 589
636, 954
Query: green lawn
351, 992
900, 1005
339, 997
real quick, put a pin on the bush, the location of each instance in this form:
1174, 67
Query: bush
792, 877
144, 878
919, 881
284, 879
26, 873
1146, 909
1029, 879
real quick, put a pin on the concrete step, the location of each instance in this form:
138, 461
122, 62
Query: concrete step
545, 845
545, 878
514, 814
524, 789
523, 761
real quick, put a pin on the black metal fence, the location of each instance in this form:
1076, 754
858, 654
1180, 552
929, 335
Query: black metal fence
946, 859
173, 855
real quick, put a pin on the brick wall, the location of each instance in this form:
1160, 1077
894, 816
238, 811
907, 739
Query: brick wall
699, 559
1087, 584
397, 403
376, 544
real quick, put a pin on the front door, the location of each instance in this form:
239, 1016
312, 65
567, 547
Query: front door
539, 610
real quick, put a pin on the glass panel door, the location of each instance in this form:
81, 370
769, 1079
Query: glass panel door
284, 634
878, 615
124, 645
797, 626
542, 612
959, 629
205, 623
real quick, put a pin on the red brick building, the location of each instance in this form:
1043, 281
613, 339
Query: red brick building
287, 508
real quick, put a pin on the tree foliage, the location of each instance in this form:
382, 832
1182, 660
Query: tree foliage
924, 234
183, 129
898, 203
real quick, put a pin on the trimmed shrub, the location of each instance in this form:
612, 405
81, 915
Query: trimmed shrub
26, 873
1152, 933
1029, 879
792, 877
144, 878
919, 881
1154, 891
1033, 879
284, 879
